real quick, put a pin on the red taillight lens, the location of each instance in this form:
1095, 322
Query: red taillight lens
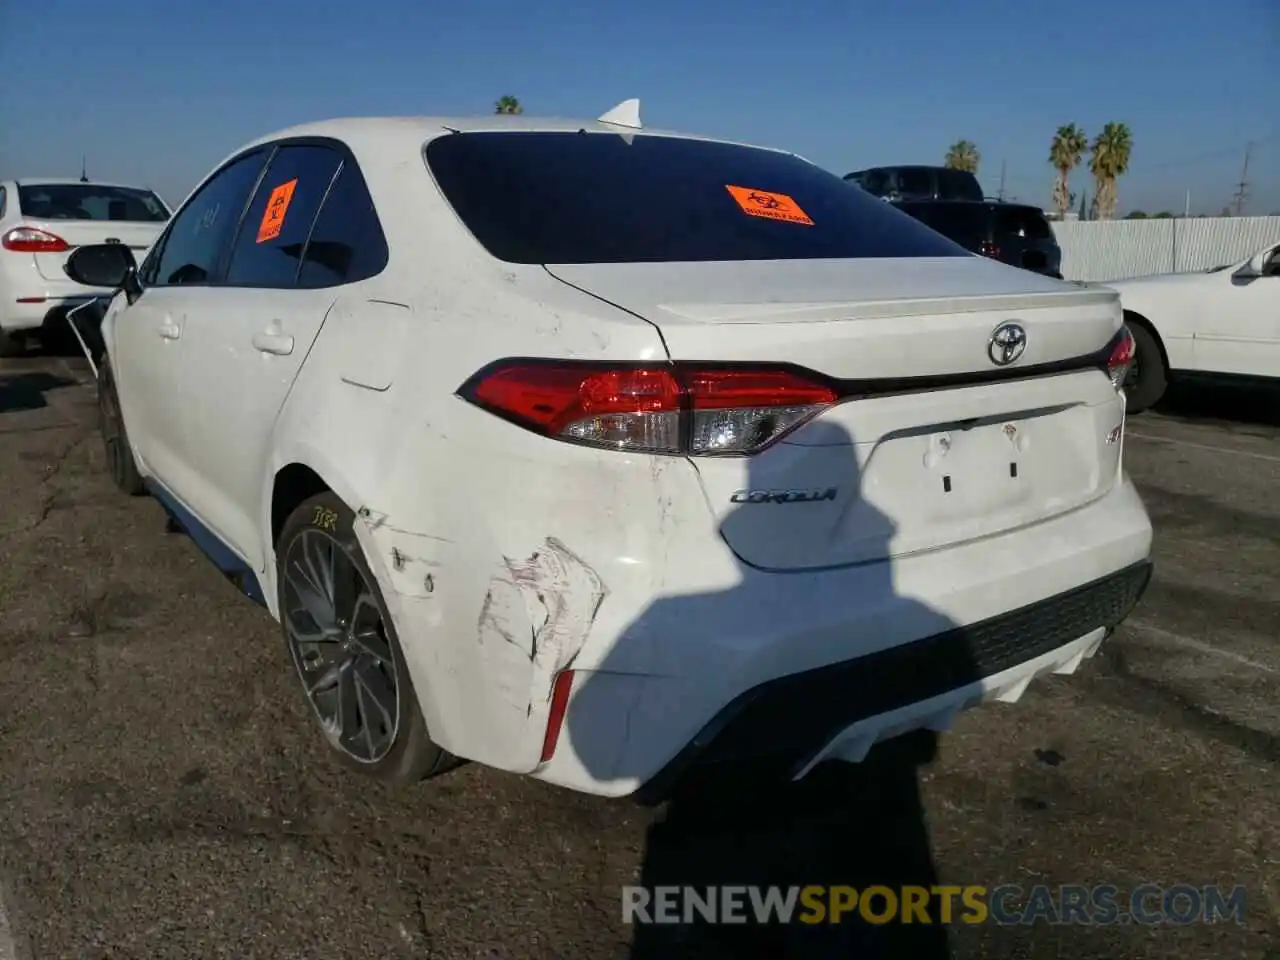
989, 249
560, 691
669, 408
31, 240
1121, 358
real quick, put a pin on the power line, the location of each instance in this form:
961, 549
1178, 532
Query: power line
1242, 188
1199, 158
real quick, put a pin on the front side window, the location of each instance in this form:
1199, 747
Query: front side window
90, 201
269, 246
541, 197
191, 249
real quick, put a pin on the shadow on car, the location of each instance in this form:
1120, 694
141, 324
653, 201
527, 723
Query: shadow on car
732, 813
1248, 402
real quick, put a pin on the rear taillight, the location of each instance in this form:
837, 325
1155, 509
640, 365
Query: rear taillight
1121, 358
695, 409
31, 240
989, 249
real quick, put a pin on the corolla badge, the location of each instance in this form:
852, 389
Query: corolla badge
783, 496
1008, 342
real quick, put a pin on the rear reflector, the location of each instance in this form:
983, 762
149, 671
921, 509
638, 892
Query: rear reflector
1121, 358
555, 716
31, 240
693, 409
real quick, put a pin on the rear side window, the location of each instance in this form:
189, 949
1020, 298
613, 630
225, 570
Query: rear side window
193, 247
915, 183
1023, 222
347, 243
958, 185
273, 235
4, 198
90, 201
606, 198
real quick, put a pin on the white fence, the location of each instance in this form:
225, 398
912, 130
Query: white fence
1115, 249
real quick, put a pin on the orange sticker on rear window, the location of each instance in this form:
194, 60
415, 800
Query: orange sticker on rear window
771, 206
277, 206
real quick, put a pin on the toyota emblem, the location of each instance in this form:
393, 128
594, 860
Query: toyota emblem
1008, 342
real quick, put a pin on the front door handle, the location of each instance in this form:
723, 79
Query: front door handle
279, 344
170, 330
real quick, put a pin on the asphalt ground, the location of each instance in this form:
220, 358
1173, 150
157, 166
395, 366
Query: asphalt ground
163, 793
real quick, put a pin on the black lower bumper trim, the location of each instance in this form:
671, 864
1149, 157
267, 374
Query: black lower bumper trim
787, 720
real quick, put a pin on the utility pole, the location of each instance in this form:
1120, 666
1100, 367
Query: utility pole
1242, 188
1000, 195
84, 176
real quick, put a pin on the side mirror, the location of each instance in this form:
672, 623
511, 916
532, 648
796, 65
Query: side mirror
101, 265
1261, 263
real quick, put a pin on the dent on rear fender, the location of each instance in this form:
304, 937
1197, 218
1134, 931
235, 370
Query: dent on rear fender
536, 618
410, 558
486, 648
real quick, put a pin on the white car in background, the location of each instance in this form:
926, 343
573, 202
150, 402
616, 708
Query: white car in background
42, 220
1221, 323
601, 454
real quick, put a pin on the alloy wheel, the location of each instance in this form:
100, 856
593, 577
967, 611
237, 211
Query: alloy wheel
340, 646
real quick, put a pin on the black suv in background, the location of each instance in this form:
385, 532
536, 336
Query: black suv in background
1013, 233
917, 183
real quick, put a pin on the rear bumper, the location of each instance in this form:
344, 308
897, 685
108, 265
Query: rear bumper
839, 711
33, 309
779, 666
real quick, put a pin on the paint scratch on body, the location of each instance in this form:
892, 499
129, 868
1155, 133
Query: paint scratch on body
540, 609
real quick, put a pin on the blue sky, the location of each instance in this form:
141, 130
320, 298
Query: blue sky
157, 93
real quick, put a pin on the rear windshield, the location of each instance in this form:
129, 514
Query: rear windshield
88, 201
606, 198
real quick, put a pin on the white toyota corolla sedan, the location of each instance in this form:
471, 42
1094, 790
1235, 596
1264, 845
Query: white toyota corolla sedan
607, 455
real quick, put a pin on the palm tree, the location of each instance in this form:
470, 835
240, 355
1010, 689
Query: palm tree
507, 104
1109, 159
1068, 146
963, 155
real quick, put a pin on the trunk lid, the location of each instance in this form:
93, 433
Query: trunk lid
138, 236
915, 467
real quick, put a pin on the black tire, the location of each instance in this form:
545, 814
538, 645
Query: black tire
115, 438
412, 755
1148, 381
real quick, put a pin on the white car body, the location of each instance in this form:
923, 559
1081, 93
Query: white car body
35, 243
590, 616
1221, 322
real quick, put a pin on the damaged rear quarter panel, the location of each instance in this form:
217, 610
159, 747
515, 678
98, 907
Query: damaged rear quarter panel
494, 574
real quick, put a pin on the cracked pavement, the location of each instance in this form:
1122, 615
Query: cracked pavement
163, 793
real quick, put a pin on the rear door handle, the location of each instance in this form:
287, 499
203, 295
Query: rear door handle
279, 344
170, 330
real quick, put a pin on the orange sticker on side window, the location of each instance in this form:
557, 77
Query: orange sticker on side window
277, 206
771, 206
